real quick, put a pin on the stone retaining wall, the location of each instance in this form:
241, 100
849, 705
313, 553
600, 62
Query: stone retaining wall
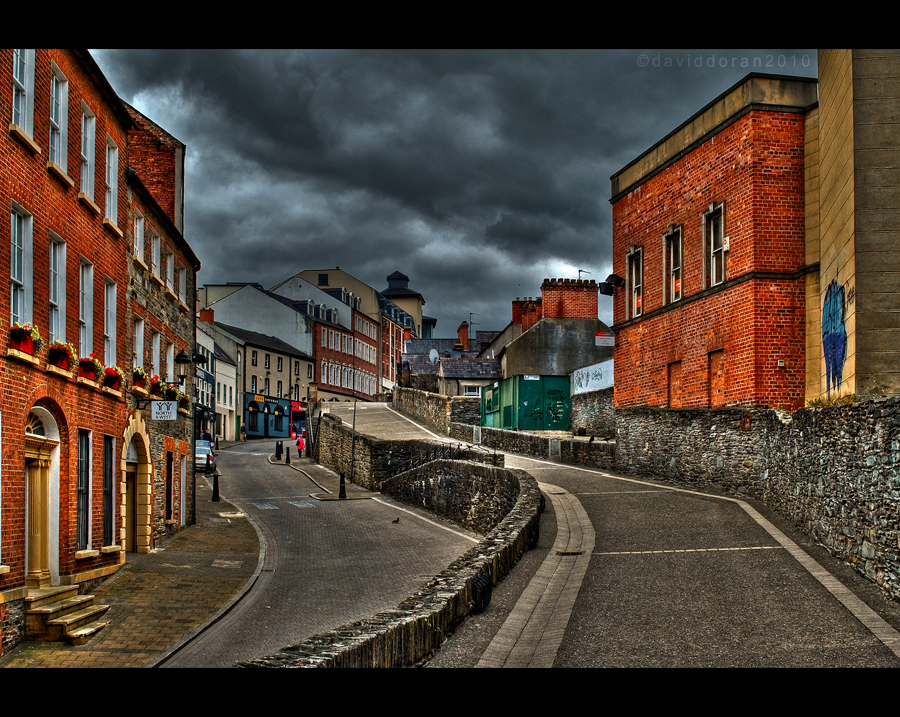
594, 414
436, 411
547, 445
418, 626
375, 460
472, 495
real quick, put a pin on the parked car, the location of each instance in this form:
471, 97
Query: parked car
202, 451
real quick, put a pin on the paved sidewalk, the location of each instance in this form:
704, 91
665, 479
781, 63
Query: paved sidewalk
161, 599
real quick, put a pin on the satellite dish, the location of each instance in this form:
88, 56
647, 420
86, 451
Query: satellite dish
433, 356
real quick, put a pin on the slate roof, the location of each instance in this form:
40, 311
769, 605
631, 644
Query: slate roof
461, 368
262, 341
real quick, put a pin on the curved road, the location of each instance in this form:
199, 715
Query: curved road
631, 573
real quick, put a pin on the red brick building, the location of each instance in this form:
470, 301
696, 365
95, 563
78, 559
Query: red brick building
709, 237
66, 252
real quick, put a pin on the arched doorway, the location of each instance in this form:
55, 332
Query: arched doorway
42, 439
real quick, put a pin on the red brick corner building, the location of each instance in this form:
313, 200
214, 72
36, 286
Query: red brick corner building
709, 237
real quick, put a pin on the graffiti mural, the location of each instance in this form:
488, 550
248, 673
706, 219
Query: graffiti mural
834, 334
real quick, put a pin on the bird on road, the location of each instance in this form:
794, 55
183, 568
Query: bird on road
396, 520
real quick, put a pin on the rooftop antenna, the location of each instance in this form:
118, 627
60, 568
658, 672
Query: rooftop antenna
471, 323
582, 271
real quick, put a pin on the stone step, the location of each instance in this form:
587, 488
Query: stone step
43, 596
37, 619
73, 621
83, 633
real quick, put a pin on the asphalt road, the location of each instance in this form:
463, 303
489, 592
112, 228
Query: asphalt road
327, 563
681, 579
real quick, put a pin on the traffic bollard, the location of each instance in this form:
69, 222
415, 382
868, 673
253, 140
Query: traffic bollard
343, 493
287, 455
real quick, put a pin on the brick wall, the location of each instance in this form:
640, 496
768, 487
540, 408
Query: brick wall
160, 159
757, 316
569, 299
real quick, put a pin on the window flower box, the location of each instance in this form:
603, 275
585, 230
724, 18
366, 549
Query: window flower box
139, 378
157, 386
90, 368
113, 377
25, 338
62, 355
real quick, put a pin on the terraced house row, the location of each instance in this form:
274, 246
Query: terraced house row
94, 315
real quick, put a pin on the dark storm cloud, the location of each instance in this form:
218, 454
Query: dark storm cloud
476, 173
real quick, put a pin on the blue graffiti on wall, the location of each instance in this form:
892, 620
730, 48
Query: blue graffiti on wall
834, 335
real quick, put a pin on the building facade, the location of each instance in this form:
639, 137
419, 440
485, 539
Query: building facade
81, 480
709, 237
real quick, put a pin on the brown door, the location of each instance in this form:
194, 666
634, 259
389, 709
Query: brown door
130, 507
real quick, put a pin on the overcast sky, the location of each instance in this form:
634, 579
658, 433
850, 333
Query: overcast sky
477, 173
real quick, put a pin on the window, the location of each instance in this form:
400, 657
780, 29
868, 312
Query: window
218, 392
108, 511
230, 396
83, 489
182, 284
155, 249
253, 384
635, 281
20, 279
296, 368
266, 392
309, 371
714, 231
154, 357
323, 279
279, 363
673, 261
109, 324
473, 390
138, 343
59, 118
170, 362
112, 181
139, 236
324, 337
85, 309
279, 387
253, 358
57, 289
23, 90
323, 373
170, 272
267, 361
88, 122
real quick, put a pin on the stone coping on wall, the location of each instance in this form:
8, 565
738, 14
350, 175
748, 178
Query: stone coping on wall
418, 626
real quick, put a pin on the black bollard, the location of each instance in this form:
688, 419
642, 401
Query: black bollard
277, 450
217, 443
343, 493
287, 455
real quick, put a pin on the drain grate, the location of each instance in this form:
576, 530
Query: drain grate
570, 552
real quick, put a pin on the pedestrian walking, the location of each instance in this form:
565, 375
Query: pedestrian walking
300, 444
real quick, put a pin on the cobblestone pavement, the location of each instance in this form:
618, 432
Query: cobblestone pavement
158, 599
